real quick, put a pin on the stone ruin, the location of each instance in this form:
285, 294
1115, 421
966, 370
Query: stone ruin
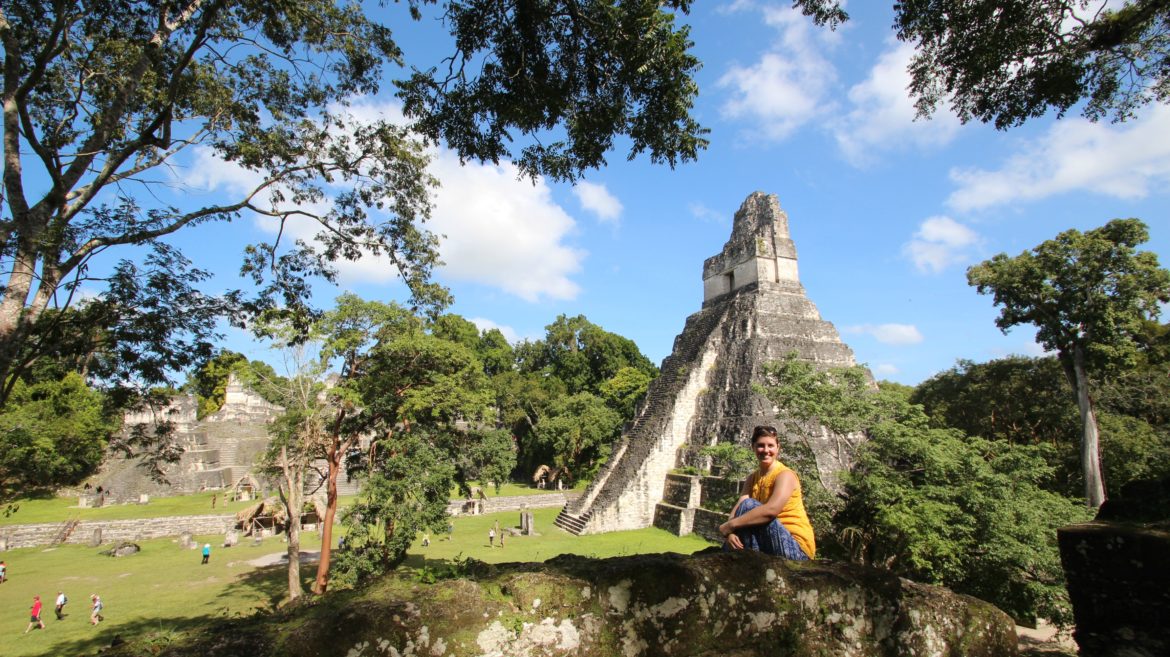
1118, 575
219, 450
754, 311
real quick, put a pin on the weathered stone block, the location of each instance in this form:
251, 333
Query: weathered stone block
1118, 574
707, 605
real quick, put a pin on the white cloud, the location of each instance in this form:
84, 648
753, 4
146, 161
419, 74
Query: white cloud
1119, 160
884, 369
893, 334
789, 85
502, 231
704, 213
883, 114
939, 243
597, 199
484, 324
498, 230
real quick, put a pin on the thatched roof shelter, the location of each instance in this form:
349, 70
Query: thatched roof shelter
269, 507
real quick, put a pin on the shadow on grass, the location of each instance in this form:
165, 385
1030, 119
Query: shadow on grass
151, 634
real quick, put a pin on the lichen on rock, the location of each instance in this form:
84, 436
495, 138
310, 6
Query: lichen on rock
741, 604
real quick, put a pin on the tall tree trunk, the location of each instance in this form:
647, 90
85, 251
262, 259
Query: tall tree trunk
293, 492
1090, 437
334, 459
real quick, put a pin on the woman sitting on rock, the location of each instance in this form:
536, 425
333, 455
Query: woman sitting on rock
770, 516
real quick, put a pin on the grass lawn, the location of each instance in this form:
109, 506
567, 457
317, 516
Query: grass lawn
60, 509
165, 590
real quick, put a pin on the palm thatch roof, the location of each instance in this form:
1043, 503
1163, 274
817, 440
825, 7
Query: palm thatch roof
267, 507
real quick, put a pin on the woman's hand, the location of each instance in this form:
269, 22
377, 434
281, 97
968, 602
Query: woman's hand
728, 533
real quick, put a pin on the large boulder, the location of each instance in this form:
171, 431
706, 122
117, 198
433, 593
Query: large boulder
1118, 574
711, 604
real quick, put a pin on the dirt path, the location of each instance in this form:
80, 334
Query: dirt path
282, 557
1045, 640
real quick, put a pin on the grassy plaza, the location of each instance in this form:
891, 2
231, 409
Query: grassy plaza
165, 591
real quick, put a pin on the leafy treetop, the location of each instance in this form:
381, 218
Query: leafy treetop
1007, 61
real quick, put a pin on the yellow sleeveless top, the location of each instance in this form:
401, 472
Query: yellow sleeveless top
792, 516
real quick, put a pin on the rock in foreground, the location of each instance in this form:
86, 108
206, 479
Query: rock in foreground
710, 604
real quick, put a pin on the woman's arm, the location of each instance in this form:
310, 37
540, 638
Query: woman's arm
786, 482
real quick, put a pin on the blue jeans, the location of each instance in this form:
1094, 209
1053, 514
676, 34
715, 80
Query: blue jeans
772, 538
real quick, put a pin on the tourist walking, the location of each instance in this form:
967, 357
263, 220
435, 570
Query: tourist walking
95, 614
34, 615
206, 552
491, 538
60, 606
3, 572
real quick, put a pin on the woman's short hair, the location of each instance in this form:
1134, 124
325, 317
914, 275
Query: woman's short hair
763, 430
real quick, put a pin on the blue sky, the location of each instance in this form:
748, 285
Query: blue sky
886, 212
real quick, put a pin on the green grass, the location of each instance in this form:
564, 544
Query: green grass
512, 489
165, 590
60, 509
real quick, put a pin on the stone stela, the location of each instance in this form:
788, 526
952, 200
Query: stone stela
754, 311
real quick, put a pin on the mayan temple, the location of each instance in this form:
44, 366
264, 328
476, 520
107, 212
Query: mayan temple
754, 311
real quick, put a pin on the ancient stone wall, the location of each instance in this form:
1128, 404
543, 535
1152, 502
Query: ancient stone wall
31, 535
20, 536
217, 450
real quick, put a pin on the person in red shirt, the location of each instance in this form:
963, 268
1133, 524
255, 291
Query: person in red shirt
35, 615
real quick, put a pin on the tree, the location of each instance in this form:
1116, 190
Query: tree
940, 507
102, 100
406, 491
348, 334
933, 504
414, 390
1006, 61
1087, 294
484, 455
625, 389
296, 438
577, 432
583, 355
53, 433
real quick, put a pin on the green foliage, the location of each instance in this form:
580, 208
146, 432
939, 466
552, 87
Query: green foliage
405, 493
932, 503
209, 382
733, 461
584, 355
108, 97
528, 70
1019, 399
52, 433
1006, 61
484, 455
939, 507
1132, 450
625, 389
1089, 295
456, 329
844, 400
577, 432
111, 95
1091, 290
494, 351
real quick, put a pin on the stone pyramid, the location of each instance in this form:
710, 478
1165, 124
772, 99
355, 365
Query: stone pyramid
754, 311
